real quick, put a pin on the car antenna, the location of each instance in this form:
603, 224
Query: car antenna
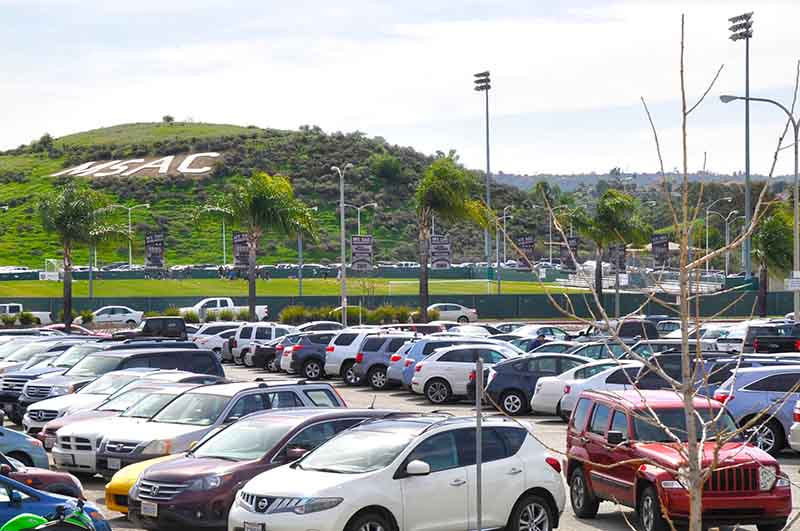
372, 405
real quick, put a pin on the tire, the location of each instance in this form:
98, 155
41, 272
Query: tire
237, 360
22, 458
514, 403
649, 509
531, 513
768, 437
272, 365
376, 378
584, 504
369, 521
130, 322
463, 319
771, 527
348, 375
438, 391
312, 370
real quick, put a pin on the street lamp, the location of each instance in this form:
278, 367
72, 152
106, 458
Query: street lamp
343, 275
130, 227
796, 247
505, 234
483, 84
708, 208
728, 222
742, 29
358, 212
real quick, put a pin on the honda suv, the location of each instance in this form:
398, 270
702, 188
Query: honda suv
745, 486
409, 472
307, 355
374, 356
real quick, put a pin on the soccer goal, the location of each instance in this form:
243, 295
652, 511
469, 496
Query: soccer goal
443, 287
53, 270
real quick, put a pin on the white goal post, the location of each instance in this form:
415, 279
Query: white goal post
53, 270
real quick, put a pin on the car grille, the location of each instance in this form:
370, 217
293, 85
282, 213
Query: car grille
267, 504
42, 415
739, 479
153, 490
37, 391
14, 384
119, 447
75, 443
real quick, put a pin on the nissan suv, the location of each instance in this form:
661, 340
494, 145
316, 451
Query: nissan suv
374, 357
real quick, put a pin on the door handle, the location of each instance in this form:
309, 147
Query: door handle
514, 471
457, 482
584, 440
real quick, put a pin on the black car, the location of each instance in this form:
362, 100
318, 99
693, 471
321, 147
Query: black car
307, 354
152, 327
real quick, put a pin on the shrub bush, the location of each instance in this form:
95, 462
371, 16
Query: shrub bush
211, 316
191, 317
294, 315
172, 311
243, 315
60, 316
8, 320
27, 318
87, 317
152, 313
352, 315
226, 315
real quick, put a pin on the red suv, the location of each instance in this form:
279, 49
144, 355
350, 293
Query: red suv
607, 428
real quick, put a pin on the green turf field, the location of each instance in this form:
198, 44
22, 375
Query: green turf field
274, 287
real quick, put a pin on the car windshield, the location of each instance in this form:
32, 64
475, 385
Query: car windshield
198, 409
125, 400
25, 352
149, 405
246, 440
11, 347
73, 355
94, 366
648, 429
356, 452
107, 384
39, 360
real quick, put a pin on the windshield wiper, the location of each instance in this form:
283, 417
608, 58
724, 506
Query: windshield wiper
223, 457
330, 470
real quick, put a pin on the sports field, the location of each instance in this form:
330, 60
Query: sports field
274, 287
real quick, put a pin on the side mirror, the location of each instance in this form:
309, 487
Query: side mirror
5, 470
293, 454
15, 497
614, 438
418, 468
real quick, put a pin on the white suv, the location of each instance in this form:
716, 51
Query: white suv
445, 373
340, 355
409, 472
254, 331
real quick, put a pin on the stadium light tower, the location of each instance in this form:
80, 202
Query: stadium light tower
483, 84
343, 275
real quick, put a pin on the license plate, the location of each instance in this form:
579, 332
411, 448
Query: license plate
64, 459
150, 509
49, 442
253, 527
114, 464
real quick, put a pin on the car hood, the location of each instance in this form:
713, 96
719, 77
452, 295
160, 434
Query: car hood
730, 454
48, 476
34, 372
6, 366
154, 431
64, 380
91, 423
124, 479
75, 401
294, 482
187, 468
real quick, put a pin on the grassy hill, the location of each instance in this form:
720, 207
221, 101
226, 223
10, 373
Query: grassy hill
384, 173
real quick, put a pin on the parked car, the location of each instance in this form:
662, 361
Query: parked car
76, 330
666, 326
616, 378
268, 354
416, 472
211, 474
319, 326
41, 478
508, 328
616, 427
447, 325
511, 384
195, 413
444, 374
794, 430
340, 355
307, 355
115, 316
598, 350
627, 329
255, 331
24, 351
15, 308
454, 312
550, 389
23, 448
649, 347
374, 356
471, 330
215, 329
217, 304
169, 327
553, 347
552, 333
740, 337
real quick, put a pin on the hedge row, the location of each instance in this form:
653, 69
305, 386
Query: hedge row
295, 315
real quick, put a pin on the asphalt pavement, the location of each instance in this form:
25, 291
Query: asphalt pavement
550, 430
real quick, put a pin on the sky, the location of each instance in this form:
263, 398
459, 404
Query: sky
567, 76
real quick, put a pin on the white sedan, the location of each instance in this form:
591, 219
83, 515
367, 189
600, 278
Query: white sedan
115, 315
615, 378
454, 312
550, 389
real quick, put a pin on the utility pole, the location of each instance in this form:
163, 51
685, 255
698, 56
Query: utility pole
483, 84
343, 274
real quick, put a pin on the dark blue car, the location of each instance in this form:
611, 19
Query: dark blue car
16, 498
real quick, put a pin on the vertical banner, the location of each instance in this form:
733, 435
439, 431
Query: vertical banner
154, 250
440, 252
572, 244
660, 248
527, 244
361, 252
241, 254
617, 256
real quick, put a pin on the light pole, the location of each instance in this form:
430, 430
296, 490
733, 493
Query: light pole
483, 84
708, 209
300, 259
505, 234
358, 212
130, 227
727, 220
742, 29
343, 276
796, 247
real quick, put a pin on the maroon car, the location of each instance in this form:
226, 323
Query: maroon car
41, 479
199, 488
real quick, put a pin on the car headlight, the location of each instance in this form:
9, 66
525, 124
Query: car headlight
158, 448
783, 481
207, 482
61, 389
767, 477
314, 505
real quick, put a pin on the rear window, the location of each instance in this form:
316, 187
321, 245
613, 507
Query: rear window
599, 419
322, 398
395, 344
201, 362
344, 339
246, 332
320, 339
373, 344
263, 332
581, 413
433, 345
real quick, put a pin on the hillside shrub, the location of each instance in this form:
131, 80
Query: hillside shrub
243, 314
191, 317
226, 315
8, 320
87, 317
27, 318
172, 311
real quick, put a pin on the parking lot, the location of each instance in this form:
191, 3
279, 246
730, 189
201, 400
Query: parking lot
549, 430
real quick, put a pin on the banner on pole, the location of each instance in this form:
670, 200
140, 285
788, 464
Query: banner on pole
361, 252
527, 244
440, 252
572, 244
660, 248
241, 254
617, 255
154, 250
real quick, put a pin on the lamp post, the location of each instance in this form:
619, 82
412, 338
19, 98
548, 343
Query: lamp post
483, 84
742, 29
727, 220
343, 276
505, 234
358, 212
796, 246
130, 226
708, 209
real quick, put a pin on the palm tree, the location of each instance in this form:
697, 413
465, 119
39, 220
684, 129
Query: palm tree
70, 214
772, 250
444, 192
617, 219
265, 203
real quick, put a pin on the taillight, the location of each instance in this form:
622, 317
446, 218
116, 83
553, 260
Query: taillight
797, 345
723, 396
233, 343
418, 367
395, 358
279, 347
471, 376
359, 357
409, 362
796, 414
329, 348
553, 462
297, 348
755, 345
567, 389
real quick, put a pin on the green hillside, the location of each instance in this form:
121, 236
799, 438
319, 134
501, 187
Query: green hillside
384, 173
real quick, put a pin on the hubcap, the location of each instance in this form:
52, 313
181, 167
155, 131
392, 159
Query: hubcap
350, 376
647, 513
764, 438
512, 404
577, 491
534, 518
371, 526
437, 392
312, 370
378, 379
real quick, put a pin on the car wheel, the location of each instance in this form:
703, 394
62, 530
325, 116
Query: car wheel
312, 369
767, 437
771, 527
377, 378
130, 322
584, 504
237, 359
438, 391
463, 319
649, 510
272, 365
513, 403
25, 459
348, 374
532, 513
369, 522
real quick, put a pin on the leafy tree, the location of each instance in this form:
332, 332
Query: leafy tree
617, 219
772, 250
444, 192
168, 119
385, 166
70, 213
261, 204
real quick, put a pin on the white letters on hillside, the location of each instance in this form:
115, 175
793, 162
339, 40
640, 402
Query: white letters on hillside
169, 165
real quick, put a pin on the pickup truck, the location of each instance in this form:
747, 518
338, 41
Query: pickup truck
761, 336
216, 304
776, 344
13, 308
